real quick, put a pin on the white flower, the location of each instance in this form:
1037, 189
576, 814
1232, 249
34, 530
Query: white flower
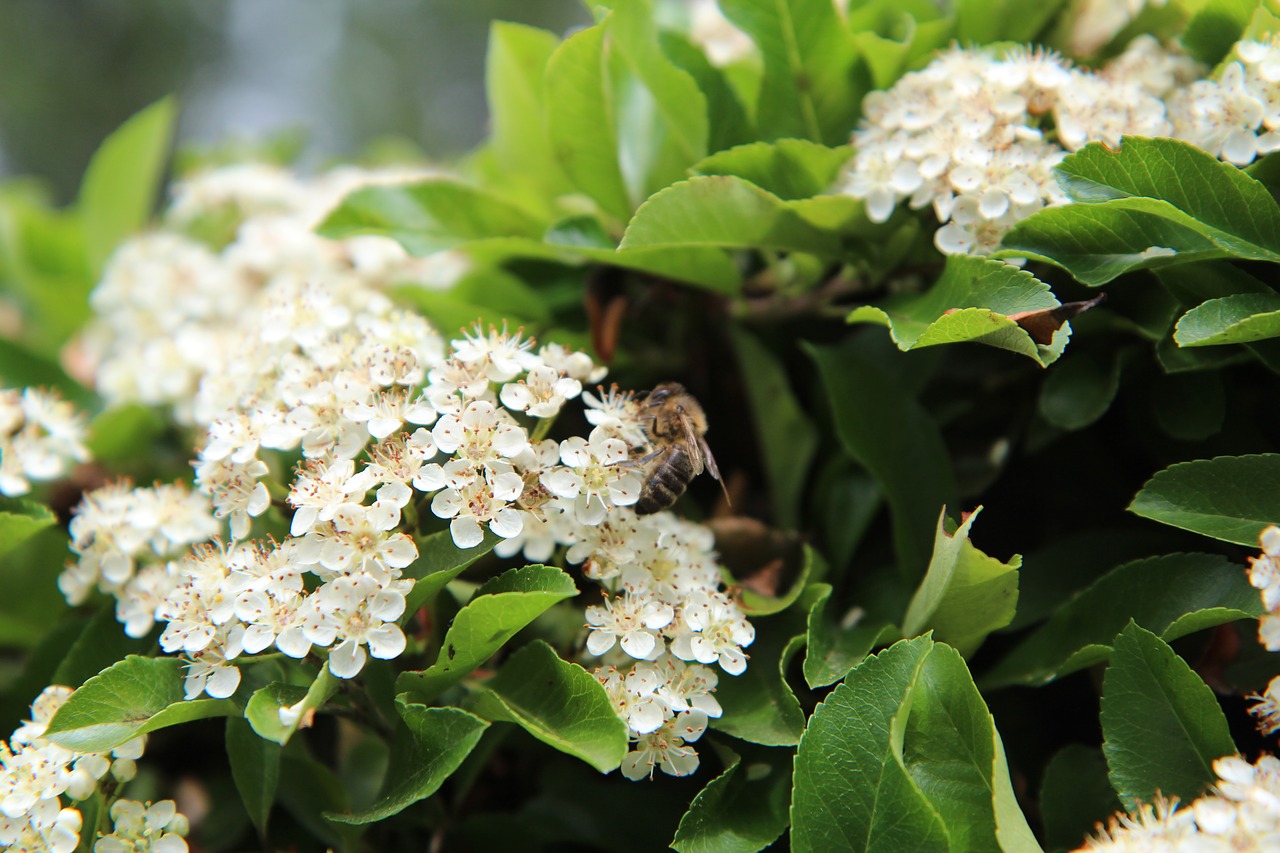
713, 630
144, 828
634, 696
503, 354
595, 478
541, 393
667, 748
481, 500
356, 611
632, 620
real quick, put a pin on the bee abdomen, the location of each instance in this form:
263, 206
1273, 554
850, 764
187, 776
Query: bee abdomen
666, 482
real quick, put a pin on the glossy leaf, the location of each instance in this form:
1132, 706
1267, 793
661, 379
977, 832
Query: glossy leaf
1172, 595
759, 706
723, 211
965, 594
428, 216
20, 520
1239, 319
1075, 796
559, 703
255, 767
264, 711
1231, 498
1079, 389
833, 648
969, 303
1162, 725
430, 746
893, 437
133, 697
495, 613
439, 562
788, 168
742, 810
123, 180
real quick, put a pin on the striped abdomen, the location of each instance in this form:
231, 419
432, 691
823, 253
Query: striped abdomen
666, 478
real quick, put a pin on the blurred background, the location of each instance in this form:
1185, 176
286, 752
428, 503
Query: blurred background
334, 77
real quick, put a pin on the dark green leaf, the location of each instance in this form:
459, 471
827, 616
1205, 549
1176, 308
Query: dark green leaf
1172, 595
759, 706
788, 168
101, 643
265, 705
425, 217
1079, 390
120, 186
1230, 497
1240, 319
893, 437
1197, 422
723, 211
255, 767
1162, 726
498, 610
965, 595
970, 302
20, 368
20, 520
125, 433
133, 697
1075, 796
431, 745
834, 648
559, 703
742, 810
787, 438
439, 562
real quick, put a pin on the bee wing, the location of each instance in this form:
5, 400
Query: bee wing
713, 468
696, 447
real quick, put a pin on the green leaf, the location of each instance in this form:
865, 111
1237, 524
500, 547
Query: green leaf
133, 697
1239, 319
1215, 28
759, 706
1231, 498
20, 520
1172, 595
439, 562
788, 440
1169, 397
727, 121
1075, 795
429, 747
788, 168
894, 438
1161, 724
582, 120
970, 302
310, 792
559, 703
724, 211
965, 595
120, 185
742, 810
1152, 203
1012, 830
515, 67
1079, 390
266, 703
985, 22
255, 767
101, 643
20, 368
810, 87
124, 433
495, 613
832, 649
431, 215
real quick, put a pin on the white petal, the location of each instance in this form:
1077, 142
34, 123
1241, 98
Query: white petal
507, 523
347, 659
223, 683
466, 532
599, 642
386, 642
638, 644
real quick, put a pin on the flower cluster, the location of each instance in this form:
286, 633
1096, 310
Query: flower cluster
968, 136
1235, 117
1264, 574
37, 774
41, 436
1241, 813
144, 828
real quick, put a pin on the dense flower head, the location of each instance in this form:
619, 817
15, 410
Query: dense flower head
41, 437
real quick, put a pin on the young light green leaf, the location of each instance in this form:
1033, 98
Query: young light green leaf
852, 789
498, 610
810, 87
1172, 595
1162, 726
742, 810
429, 747
724, 211
893, 437
267, 713
120, 186
1239, 319
727, 121
788, 168
559, 703
970, 302
832, 648
439, 562
965, 595
787, 438
255, 767
431, 215
1012, 831
582, 120
985, 22
133, 697
20, 520
1075, 795
1231, 498
1079, 390
759, 706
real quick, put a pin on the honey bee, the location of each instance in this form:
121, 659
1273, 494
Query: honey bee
675, 425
